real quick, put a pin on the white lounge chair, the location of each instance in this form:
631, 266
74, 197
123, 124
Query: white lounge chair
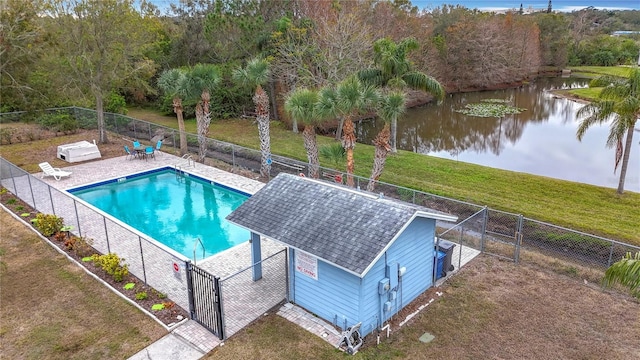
51, 171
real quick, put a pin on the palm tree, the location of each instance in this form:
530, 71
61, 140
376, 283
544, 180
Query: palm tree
301, 105
333, 153
625, 272
170, 82
391, 107
197, 86
353, 98
619, 101
394, 70
256, 74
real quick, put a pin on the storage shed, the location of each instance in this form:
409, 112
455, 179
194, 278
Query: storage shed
354, 257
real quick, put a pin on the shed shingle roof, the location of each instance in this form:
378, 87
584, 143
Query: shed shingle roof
342, 226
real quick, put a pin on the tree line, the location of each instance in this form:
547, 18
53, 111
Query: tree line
96, 53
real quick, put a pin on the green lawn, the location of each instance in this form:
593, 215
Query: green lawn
50, 309
588, 208
595, 71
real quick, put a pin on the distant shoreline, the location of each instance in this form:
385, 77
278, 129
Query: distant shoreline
566, 94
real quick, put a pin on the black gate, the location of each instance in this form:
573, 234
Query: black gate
204, 299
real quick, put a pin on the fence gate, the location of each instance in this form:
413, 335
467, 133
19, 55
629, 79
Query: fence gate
204, 299
502, 235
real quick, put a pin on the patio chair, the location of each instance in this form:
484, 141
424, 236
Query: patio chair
149, 152
136, 144
129, 153
51, 171
158, 145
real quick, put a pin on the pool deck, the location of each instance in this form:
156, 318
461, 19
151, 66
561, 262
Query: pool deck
223, 265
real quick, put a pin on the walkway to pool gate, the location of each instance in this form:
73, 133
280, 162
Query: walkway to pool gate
189, 340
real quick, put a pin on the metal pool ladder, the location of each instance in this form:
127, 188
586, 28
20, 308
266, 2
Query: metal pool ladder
195, 244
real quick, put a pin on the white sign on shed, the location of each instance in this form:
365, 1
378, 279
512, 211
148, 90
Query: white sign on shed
307, 264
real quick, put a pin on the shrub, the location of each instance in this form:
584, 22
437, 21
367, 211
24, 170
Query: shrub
59, 123
142, 295
115, 103
159, 294
112, 265
60, 236
6, 135
48, 224
68, 125
32, 135
70, 242
82, 246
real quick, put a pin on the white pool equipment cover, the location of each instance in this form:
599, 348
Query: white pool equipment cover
79, 151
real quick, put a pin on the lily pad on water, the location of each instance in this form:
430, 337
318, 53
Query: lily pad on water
490, 108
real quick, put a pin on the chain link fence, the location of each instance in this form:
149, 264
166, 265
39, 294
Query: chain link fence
501, 233
146, 260
245, 300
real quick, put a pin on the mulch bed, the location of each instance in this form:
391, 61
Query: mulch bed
171, 314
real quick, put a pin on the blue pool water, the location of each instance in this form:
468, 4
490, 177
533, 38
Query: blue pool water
174, 210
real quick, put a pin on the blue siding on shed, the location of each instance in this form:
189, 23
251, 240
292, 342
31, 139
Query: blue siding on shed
371, 300
413, 250
337, 292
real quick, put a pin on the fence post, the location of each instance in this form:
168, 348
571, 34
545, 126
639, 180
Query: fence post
192, 307
33, 198
13, 180
144, 270
221, 322
53, 207
485, 219
610, 255
106, 234
518, 239
75, 207
150, 136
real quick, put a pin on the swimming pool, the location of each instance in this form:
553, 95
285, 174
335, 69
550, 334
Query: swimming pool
175, 210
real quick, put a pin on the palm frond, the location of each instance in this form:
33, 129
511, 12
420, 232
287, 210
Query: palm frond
199, 78
170, 80
256, 73
421, 81
371, 77
392, 106
301, 104
625, 272
326, 106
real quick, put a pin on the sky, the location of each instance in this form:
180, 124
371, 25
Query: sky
496, 5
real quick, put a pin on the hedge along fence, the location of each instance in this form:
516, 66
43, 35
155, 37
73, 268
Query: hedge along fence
562, 243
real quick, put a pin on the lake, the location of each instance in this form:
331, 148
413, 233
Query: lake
541, 140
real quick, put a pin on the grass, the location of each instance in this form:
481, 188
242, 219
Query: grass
592, 209
50, 309
491, 310
595, 71
586, 93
